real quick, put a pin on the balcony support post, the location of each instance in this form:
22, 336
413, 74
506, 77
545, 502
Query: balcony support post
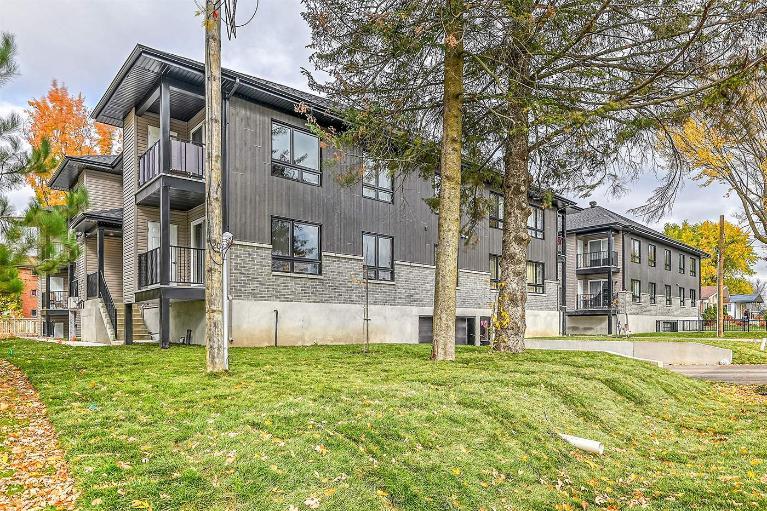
164, 321
164, 126
128, 323
610, 244
164, 235
100, 249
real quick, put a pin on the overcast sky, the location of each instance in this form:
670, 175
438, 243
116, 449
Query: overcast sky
84, 42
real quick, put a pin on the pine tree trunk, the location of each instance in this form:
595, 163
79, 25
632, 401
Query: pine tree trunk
443, 347
215, 337
509, 321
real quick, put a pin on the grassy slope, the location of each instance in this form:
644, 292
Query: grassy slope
393, 431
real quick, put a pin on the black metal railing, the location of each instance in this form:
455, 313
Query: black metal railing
56, 300
596, 259
187, 266
593, 301
186, 158
105, 295
709, 325
92, 285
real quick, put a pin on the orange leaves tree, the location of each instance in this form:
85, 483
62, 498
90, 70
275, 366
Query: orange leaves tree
61, 120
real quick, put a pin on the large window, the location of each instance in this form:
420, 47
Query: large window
693, 267
668, 294
693, 297
534, 277
376, 182
667, 259
681, 297
636, 251
636, 291
378, 254
651, 254
652, 290
296, 247
682, 260
495, 270
295, 154
496, 210
535, 223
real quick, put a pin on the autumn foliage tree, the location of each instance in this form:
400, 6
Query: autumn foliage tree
63, 122
739, 254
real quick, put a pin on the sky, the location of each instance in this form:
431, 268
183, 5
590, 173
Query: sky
84, 42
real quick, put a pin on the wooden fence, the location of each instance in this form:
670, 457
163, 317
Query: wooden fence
21, 327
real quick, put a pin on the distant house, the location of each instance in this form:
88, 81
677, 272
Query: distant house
29, 296
738, 304
708, 297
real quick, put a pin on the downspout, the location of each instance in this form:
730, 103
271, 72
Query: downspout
225, 157
563, 259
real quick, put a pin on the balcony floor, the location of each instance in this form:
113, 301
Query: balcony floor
185, 192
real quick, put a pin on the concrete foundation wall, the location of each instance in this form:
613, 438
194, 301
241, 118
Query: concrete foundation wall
187, 316
92, 327
597, 325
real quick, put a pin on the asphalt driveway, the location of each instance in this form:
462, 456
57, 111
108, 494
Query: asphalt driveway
742, 374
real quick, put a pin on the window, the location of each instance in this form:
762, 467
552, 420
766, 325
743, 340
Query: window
197, 135
682, 260
295, 247
535, 223
295, 154
667, 259
378, 254
436, 184
376, 182
693, 297
534, 277
668, 294
693, 267
496, 210
652, 289
34, 292
651, 250
636, 251
34, 313
495, 270
681, 297
153, 135
636, 291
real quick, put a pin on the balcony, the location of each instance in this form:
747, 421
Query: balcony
598, 301
596, 260
55, 300
187, 267
185, 178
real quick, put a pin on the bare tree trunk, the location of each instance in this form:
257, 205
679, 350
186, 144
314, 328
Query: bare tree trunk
720, 281
215, 337
443, 347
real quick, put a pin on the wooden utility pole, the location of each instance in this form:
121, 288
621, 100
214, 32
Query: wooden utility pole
720, 281
215, 337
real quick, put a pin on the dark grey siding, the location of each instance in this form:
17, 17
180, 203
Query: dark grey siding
645, 273
255, 196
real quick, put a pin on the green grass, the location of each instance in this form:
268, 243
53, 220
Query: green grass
393, 431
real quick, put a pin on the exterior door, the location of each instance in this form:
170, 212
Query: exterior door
153, 242
598, 292
199, 239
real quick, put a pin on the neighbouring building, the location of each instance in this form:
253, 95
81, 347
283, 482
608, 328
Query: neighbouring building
302, 241
30, 299
709, 297
739, 304
624, 274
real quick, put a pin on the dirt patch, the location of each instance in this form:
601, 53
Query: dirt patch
33, 472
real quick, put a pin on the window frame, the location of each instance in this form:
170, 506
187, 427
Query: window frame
300, 168
669, 296
652, 289
376, 188
291, 258
667, 259
652, 255
693, 267
536, 232
682, 264
636, 297
636, 257
495, 281
536, 287
495, 215
377, 268
693, 297
682, 296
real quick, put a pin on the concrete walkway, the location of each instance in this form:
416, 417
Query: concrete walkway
741, 374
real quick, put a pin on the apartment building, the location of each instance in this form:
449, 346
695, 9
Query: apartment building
303, 243
626, 276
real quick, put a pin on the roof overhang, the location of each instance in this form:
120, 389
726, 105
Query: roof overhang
89, 220
138, 78
647, 233
68, 171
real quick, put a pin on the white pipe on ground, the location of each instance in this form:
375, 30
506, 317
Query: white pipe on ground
583, 443
764, 343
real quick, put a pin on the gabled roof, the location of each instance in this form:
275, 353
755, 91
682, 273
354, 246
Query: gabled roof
707, 292
141, 72
752, 298
596, 217
68, 171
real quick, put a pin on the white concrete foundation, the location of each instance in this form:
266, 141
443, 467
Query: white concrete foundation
92, 327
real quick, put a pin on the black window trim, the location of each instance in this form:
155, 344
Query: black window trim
693, 296
377, 267
537, 288
494, 281
652, 255
682, 296
291, 259
669, 297
693, 267
636, 298
533, 231
638, 258
682, 264
652, 289
301, 169
496, 222
667, 260
377, 188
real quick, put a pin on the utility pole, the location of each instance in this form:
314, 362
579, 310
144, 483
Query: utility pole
215, 337
720, 281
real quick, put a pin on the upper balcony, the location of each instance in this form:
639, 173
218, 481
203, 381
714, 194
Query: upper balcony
185, 177
55, 300
596, 262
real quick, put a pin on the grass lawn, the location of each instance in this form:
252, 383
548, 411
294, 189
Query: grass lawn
332, 429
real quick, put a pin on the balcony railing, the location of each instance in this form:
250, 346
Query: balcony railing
96, 287
186, 158
596, 259
593, 301
56, 300
187, 266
